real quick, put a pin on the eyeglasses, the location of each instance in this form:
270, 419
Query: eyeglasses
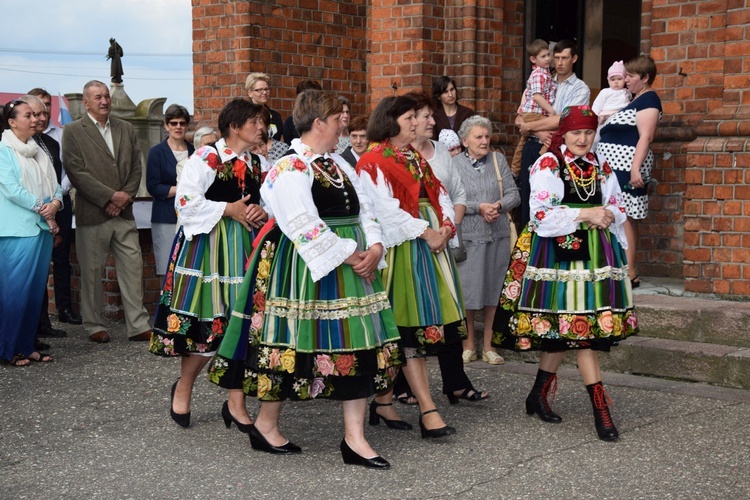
175, 123
262, 91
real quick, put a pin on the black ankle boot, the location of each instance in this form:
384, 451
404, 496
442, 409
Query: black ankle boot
600, 400
536, 402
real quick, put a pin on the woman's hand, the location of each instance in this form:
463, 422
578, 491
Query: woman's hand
255, 215
53, 227
598, 217
635, 178
489, 211
436, 240
49, 210
369, 263
237, 211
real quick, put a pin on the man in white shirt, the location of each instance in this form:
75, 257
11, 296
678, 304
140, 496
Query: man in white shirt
571, 91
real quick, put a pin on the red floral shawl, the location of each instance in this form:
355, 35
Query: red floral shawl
402, 175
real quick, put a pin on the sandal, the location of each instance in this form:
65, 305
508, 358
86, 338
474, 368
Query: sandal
469, 394
407, 398
468, 356
635, 282
492, 358
18, 360
40, 358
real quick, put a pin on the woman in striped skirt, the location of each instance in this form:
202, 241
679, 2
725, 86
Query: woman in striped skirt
218, 212
313, 320
417, 218
567, 286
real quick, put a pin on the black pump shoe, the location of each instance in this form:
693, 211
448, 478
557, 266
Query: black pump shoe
228, 419
434, 433
392, 424
181, 419
351, 457
258, 442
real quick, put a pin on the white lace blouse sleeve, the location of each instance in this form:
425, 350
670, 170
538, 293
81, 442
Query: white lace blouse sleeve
373, 231
195, 213
549, 217
287, 190
398, 225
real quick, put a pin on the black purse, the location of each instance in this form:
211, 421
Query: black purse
574, 246
459, 253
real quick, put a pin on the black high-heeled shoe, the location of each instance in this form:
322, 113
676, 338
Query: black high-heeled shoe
181, 419
229, 418
351, 457
467, 395
434, 433
375, 419
258, 442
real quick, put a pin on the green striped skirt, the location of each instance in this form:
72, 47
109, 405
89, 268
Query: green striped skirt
425, 293
553, 305
200, 288
292, 338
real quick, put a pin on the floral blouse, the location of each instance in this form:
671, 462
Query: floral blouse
287, 190
549, 217
196, 213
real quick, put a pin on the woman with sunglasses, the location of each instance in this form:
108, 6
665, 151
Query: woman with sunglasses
161, 182
30, 196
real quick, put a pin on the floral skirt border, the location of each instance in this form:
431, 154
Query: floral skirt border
520, 329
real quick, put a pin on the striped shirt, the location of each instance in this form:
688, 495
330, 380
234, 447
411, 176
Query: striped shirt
571, 92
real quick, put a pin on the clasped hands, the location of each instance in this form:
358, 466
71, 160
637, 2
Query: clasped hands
489, 211
597, 217
247, 215
438, 239
365, 263
117, 203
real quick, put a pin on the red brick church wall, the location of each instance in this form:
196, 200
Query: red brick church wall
699, 222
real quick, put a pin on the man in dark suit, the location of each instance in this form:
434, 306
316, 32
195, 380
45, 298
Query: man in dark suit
103, 161
358, 138
51, 135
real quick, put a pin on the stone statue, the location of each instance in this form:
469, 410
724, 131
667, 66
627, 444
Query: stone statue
115, 53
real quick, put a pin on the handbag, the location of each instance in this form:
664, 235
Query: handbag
459, 253
511, 224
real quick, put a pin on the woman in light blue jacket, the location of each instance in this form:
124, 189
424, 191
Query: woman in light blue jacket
29, 199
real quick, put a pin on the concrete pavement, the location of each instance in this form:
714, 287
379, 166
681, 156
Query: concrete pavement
95, 424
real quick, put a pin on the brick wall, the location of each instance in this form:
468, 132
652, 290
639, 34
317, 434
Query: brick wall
700, 214
291, 40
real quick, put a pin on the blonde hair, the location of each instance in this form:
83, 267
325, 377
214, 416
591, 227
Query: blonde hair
256, 77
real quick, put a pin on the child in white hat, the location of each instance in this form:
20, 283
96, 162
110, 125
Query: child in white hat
611, 100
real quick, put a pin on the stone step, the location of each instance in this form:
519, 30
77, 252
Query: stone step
694, 319
682, 337
726, 366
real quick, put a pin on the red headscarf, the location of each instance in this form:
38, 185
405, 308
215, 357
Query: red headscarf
572, 118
